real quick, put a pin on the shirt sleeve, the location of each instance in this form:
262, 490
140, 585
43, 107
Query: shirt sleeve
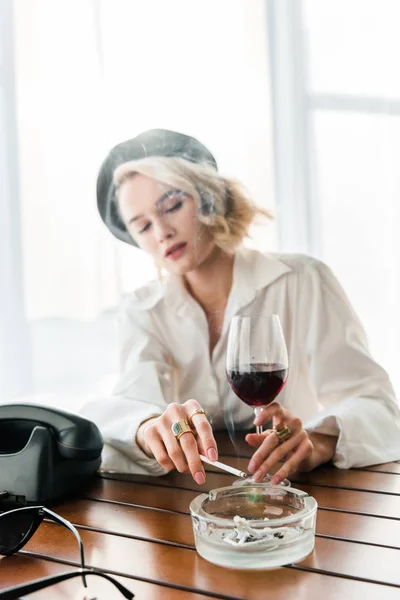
144, 389
357, 399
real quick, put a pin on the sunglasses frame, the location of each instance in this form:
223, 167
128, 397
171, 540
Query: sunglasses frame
38, 515
16, 592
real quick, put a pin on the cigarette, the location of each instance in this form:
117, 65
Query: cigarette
224, 467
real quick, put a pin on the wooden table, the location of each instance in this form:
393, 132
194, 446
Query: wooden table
139, 529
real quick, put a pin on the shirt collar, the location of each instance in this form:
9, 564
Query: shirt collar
252, 271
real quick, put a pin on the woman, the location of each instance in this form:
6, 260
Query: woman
162, 192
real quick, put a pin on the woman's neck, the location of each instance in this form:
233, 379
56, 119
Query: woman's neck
210, 284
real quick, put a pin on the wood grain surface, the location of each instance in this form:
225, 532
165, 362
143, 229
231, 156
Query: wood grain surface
138, 529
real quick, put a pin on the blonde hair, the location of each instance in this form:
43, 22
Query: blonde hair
223, 204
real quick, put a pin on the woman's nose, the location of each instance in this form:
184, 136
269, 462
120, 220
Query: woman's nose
164, 230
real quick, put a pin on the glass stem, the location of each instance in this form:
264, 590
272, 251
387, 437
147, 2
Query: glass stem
257, 410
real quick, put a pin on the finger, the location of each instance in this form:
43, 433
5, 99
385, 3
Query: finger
174, 413
158, 449
192, 457
303, 451
174, 449
256, 439
204, 431
269, 443
294, 423
279, 453
270, 411
271, 439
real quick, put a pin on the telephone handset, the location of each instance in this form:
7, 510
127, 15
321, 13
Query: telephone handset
75, 436
45, 451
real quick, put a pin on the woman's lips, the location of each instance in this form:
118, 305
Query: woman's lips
177, 252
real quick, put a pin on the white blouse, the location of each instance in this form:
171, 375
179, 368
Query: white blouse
334, 385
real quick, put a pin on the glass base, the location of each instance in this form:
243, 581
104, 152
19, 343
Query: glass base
238, 558
266, 481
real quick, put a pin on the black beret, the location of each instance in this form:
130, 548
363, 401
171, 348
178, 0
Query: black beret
154, 142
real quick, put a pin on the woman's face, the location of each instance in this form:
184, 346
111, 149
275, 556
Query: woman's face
163, 222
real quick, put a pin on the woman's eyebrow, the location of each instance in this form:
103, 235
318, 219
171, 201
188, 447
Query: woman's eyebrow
159, 202
132, 219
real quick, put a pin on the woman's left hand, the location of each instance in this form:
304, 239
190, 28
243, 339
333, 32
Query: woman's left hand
302, 451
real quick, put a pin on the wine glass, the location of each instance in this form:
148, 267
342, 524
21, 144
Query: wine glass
257, 364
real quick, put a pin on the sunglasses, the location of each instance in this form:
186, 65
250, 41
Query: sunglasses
16, 529
16, 592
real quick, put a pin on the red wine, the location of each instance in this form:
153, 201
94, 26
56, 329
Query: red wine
258, 384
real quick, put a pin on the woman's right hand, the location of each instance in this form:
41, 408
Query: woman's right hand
156, 438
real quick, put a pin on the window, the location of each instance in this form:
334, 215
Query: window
334, 65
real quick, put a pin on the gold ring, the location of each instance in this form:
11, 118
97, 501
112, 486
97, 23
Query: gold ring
179, 428
283, 432
197, 411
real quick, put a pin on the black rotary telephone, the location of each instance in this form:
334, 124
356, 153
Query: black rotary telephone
45, 452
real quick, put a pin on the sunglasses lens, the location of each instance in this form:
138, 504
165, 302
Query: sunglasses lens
14, 527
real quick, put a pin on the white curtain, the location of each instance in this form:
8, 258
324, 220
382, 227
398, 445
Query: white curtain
15, 350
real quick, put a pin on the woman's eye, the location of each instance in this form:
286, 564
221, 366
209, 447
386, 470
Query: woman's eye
145, 228
176, 206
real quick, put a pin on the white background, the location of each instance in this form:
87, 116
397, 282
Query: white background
90, 73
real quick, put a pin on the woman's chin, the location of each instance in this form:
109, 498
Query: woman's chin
179, 267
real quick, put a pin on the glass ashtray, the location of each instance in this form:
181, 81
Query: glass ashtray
254, 527
266, 481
